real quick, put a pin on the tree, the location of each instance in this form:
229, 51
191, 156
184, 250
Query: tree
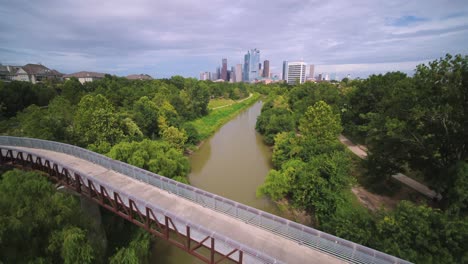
137, 252
273, 121
73, 90
17, 95
422, 235
319, 122
286, 148
37, 223
276, 186
156, 156
175, 137
73, 245
52, 123
420, 122
96, 122
145, 113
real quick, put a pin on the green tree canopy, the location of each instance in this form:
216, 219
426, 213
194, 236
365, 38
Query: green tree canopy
37, 223
96, 122
156, 156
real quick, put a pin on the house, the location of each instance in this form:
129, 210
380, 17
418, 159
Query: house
85, 76
28, 73
139, 77
36, 73
7, 72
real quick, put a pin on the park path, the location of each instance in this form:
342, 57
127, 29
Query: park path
236, 102
361, 152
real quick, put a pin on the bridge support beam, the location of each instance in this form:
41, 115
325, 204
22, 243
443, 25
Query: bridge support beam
112, 201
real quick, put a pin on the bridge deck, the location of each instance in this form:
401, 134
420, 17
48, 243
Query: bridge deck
271, 244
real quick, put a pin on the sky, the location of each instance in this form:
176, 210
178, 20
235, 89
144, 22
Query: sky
186, 37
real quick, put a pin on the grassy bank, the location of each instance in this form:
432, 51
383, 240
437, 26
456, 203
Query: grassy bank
219, 102
208, 125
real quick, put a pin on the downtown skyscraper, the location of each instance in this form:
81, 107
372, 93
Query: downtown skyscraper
251, 68
266, 69
224, 73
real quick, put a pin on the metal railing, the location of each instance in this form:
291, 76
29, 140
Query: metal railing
307, 236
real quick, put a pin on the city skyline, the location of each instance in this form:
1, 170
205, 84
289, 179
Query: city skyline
150, 37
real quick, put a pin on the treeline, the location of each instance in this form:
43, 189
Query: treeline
105, 113
414, 122
144, 123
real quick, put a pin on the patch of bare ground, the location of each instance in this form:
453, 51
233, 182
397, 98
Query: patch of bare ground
294, 214
374, 201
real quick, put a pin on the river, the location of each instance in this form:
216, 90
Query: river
232, 163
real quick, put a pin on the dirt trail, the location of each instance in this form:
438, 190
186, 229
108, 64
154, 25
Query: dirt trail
373, 201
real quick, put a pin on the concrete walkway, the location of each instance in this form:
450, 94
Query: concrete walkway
273, 245
361, 152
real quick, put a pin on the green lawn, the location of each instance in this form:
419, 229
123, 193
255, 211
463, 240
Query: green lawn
219, 102
208, 125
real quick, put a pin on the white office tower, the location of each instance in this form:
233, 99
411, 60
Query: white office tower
205, 76
296, 72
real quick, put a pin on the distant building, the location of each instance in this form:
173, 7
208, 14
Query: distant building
232, 75
224, 70
296, 72
251, 64
266, 69
85, 76
327, 77
214, 76
204, 76
238, 73
320, 78
311, 71
8, 72
33, 73
139, 77
218, 73
285, 71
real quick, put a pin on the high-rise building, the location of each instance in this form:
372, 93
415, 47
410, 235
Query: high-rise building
327, 77
204, 76
251, 62
224, 70
320, 77
296, 72
285, 71
311, 71
232, 74
266, 69
218, 73
238, 73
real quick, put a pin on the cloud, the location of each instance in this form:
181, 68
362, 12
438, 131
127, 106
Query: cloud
165, 38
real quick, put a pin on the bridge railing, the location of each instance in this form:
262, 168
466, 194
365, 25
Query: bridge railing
307, 236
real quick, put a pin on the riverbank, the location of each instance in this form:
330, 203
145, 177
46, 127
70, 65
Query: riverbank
208, 125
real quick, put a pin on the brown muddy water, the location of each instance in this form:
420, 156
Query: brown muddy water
232, 163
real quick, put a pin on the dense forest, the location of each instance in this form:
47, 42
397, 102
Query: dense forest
414, 124
149, 124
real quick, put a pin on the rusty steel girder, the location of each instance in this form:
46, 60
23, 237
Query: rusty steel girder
166, 229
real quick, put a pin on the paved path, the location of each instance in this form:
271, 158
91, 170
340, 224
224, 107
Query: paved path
361, 151
256, 238
236, 102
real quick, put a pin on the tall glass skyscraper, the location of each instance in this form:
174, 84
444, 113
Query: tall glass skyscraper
251, 62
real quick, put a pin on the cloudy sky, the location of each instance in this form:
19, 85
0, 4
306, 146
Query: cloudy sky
185, 37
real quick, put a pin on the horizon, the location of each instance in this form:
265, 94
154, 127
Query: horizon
168, 39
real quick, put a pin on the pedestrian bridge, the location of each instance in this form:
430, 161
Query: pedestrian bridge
208, 226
